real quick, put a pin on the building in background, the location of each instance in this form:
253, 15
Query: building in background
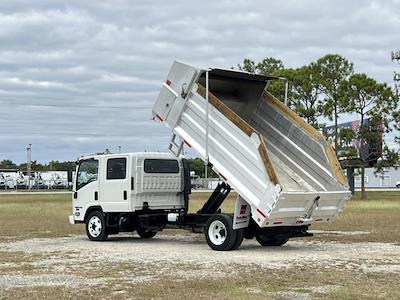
349, 148
388, 178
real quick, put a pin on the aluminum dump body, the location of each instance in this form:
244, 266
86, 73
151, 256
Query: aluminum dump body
278, 163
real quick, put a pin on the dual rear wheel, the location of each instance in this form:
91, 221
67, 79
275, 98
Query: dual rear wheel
268, 240
221, 236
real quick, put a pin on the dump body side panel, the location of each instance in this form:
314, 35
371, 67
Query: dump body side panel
299, 151
233, 154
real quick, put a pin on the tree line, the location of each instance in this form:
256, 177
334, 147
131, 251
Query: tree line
53, 165
328, 88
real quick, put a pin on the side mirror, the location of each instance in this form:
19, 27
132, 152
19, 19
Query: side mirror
75, 195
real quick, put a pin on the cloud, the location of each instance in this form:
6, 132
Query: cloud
80, 76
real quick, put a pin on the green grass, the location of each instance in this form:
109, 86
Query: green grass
258, 284
46, 215
379, 215
27, 216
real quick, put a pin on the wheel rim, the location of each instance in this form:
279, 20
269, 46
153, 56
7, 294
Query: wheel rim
94, 226
217, 232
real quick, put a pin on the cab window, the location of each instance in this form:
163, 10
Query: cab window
87, 172
116, 168
161, 166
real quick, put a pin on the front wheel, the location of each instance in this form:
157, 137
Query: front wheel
268, 240
219, 233
96, 226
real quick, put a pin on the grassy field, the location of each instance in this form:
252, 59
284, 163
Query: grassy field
24, 216
378, 217
45, 216
286, 284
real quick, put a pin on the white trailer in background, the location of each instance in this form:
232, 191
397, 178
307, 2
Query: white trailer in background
285, 173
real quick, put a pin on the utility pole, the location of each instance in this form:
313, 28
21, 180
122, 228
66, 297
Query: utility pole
396, 75
28, 165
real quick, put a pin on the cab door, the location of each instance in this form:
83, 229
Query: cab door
114, 185
86, 187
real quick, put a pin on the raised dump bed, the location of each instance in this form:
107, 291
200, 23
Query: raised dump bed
277, 163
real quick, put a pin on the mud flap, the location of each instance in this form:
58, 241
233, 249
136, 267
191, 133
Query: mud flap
241, 218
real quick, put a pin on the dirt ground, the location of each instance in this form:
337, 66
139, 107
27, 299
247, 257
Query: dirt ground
74, 262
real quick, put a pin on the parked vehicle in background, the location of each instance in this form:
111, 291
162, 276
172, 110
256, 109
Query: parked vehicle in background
21, 182
3, 184
59, 180
39, 183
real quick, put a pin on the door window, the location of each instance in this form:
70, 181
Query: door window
116, 168
87, 172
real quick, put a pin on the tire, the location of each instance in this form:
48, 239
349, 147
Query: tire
219, 233
145, 234
268, 240
239, 239
96, 226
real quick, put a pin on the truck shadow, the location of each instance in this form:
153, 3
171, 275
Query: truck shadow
167, 240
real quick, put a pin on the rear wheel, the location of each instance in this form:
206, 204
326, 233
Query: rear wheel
219, 233
145, 234
239, 239
270, 240
96, 226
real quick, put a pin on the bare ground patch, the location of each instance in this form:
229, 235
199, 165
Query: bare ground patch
126, 261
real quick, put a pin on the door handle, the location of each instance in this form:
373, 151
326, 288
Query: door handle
125, 195
96, 195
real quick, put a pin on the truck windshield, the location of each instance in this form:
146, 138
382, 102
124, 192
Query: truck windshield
87, 172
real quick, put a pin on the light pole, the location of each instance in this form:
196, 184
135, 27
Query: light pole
28, 165
396, 75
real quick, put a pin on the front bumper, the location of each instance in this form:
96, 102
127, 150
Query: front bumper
71, 219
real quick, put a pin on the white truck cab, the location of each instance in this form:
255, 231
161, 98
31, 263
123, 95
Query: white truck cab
117, 188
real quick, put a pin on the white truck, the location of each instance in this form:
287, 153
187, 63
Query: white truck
286, 175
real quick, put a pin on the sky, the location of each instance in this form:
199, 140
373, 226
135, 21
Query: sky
77, 77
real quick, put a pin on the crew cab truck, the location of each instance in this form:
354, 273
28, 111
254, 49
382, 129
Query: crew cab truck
285, 174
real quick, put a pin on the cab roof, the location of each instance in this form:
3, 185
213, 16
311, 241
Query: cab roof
165, 155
